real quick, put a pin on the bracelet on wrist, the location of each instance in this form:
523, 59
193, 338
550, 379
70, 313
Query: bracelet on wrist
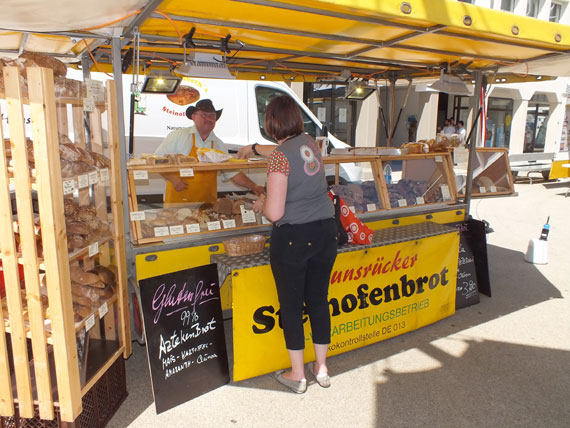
253, 149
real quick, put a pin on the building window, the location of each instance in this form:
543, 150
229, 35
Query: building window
327, 102
555, 12
499, 117
532, 7
507, 5
536, 122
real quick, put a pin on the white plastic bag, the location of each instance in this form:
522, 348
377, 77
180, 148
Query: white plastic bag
212, 155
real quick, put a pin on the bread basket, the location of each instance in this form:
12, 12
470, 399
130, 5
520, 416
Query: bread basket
244, 245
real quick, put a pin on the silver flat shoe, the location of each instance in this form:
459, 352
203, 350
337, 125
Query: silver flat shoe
323, 379
297, 386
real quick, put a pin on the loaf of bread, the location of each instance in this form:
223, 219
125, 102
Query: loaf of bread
106, 275
76, 227
79, 276
85, 292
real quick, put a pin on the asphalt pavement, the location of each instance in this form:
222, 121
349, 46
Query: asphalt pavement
504, 362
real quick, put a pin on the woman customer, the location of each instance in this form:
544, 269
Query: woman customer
303, 241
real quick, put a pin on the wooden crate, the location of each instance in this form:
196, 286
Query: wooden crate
49, 358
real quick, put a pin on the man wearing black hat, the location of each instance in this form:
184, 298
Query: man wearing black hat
203, 186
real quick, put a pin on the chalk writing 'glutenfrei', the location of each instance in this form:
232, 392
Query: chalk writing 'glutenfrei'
176, 300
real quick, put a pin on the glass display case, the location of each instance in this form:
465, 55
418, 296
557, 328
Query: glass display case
491, 173
418, 179
367, 183
158, 213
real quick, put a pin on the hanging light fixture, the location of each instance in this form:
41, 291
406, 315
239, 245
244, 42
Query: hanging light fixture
160, 82
358, 90
450, 84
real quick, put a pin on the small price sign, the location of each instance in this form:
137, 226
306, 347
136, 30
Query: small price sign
248, 216
177, 230
90, 322
402, 203
229, 224
445, 192
186, 172
140, 175
371, 207
83, 181
68, 187
193, 228
104, 173
93, 249
103, 309
214, 225
93, 177
138, 216
161, 231
420, 200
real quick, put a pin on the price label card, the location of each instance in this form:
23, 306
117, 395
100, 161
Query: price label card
248, 216
482, 190
177, 230
161, 231
402, 203
90, 322
193, 228
93, 249
95, 90
445, 192
214, 225
68, 187
264, 220
420, 200
186, 172
140, 175
371, 207
83, 181
492, 189
228, 224
104, 174
93, 177
351, 208
138, 215
103, 309
88, 104
439, 159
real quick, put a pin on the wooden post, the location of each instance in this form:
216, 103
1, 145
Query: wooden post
50, 199
118, 223
15, 306
10, 271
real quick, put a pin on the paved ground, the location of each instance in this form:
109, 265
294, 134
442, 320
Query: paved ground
502, 363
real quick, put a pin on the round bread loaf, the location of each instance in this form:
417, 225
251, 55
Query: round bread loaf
184, 95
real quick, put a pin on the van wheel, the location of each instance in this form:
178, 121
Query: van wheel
330, 180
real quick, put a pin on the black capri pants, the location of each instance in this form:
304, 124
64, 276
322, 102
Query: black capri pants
302, 258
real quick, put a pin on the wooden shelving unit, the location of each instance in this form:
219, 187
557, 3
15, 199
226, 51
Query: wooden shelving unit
52, 362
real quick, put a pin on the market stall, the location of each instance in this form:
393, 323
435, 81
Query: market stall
291, 40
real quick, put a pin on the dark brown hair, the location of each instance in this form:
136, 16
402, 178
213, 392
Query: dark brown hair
283, 118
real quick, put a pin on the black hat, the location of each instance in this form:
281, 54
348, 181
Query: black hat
203, 105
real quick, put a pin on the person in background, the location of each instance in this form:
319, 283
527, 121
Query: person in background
304, 238
461, 130
449, 128
202, 187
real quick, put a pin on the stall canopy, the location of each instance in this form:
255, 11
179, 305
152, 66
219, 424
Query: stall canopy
302, 40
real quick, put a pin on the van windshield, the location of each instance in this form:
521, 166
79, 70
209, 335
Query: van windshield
263, 96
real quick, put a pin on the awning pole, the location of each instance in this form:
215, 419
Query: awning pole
473, 142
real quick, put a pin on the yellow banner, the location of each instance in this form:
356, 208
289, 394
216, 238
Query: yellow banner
374, 294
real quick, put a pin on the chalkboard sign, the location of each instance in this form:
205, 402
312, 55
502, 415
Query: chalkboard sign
472, 267
184, 335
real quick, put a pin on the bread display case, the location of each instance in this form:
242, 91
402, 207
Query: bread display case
416, 180
491, 173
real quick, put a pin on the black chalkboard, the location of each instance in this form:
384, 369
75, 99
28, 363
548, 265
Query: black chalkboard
185, 337
472, 267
